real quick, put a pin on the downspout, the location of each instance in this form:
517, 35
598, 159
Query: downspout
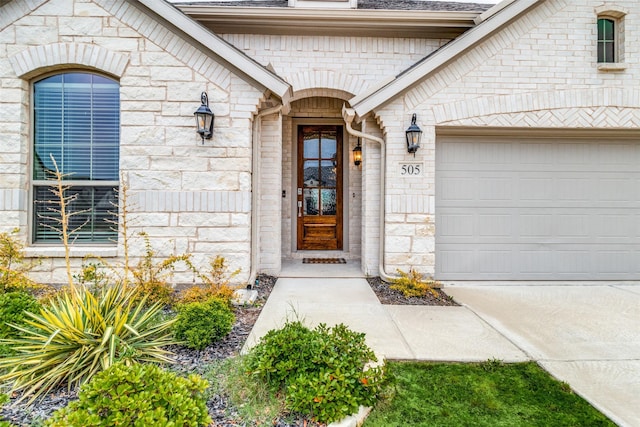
255, 199
348, 114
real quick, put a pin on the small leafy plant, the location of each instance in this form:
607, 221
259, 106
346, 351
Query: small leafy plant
14, 267
79, 334
322, 372
152, 279
413, 285
215, 283
137, 395
199, 324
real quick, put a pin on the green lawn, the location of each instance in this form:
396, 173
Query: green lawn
483, 394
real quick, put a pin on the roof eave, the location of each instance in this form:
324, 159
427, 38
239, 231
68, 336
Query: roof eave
270, 20
266, 79
365, 103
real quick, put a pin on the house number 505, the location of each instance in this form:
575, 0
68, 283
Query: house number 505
412, 169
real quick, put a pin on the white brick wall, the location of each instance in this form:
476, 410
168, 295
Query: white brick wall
270, 181
347, 64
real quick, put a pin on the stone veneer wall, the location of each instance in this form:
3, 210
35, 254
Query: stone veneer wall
187, 196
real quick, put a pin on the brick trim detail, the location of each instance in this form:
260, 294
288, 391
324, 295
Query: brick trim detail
602, 107
325, 83
191, 201
36, 58
168, 39
13, 11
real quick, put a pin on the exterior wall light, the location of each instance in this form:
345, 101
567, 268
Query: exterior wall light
414, 133
204, 118
357, 154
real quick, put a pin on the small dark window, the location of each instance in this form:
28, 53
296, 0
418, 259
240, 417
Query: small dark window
606, 40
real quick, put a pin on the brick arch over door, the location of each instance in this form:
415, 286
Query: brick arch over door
326, 83
36, 59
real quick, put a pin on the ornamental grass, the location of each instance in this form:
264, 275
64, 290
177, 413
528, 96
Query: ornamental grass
80, 333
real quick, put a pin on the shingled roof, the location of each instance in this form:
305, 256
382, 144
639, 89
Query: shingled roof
440, 6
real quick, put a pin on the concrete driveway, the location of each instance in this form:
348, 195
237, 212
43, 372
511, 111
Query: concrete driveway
587, 336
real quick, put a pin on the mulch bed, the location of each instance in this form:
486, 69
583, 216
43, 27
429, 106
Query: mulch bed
193, 361
389, 296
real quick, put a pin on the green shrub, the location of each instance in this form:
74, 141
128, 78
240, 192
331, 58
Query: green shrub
199, 324
321, 372
13, 306
78, 334
413, 285
141, 395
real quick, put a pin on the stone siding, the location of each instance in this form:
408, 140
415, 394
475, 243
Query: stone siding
187, 196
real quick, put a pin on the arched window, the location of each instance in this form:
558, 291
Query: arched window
606, 40
77, 126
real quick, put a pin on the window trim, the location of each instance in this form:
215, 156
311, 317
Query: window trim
80, 248
616, 15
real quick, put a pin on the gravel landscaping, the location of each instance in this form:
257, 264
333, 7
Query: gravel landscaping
193, 361
389, 296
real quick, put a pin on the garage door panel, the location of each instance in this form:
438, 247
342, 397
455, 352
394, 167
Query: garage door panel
458, 188
542, 210
535, 188
458, 226
617, 227
612, 156
494, 225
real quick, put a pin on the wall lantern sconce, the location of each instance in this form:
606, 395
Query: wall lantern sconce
414, 133
204, 118
357, 154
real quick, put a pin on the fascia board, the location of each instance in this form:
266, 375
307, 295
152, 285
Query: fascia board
364, 104
220, 47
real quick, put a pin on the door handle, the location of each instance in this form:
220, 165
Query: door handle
299, 208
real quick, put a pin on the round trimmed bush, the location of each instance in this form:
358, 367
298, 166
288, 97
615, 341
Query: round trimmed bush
140, 395
321, 372
199, 324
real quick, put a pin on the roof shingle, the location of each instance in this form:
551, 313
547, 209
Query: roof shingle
424, 5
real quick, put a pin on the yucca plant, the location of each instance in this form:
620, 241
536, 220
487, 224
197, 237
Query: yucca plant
79, 334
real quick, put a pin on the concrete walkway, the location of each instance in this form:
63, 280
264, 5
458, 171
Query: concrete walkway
588, 336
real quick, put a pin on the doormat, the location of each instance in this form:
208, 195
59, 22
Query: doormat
324, 261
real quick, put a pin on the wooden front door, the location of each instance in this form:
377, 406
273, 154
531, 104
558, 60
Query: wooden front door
319, 207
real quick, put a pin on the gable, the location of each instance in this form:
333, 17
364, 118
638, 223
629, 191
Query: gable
237, 61
492, 22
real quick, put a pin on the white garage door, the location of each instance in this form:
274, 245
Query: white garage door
537, 208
